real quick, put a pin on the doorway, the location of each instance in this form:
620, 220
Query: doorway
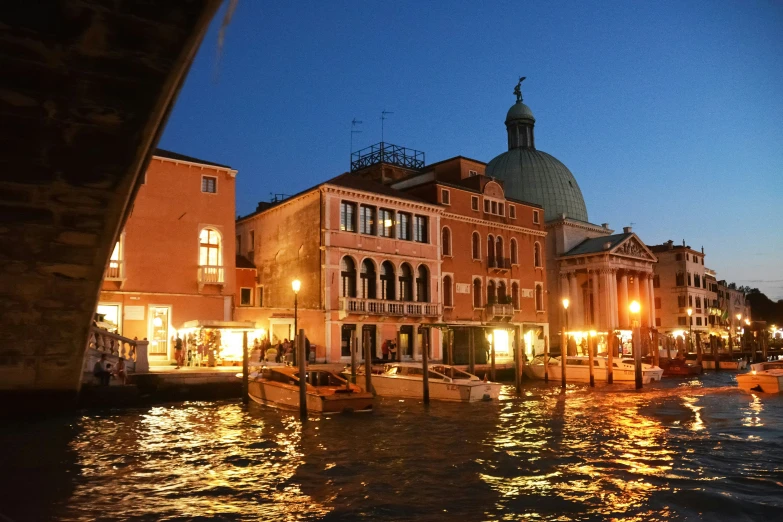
159, 326
371, 329
405, 349
347, 332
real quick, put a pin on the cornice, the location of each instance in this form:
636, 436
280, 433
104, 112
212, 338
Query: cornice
231, 172
381, 198
482, 222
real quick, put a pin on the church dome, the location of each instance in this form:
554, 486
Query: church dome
532, 175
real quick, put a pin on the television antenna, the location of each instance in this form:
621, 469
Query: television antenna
354, 123
384, 112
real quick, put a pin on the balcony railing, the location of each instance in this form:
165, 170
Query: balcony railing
115, 271
499, 263
211, 275
500, 311
358, 305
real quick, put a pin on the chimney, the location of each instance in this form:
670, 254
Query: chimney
627, 230
605, 225
683, 242
670, 244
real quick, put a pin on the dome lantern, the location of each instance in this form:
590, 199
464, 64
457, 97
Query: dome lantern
520, 122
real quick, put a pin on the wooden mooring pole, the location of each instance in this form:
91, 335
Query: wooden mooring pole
300, 348
546, 358
471, 352
245, 368
613, 342
591, 341
367, 362
425, 380
353, 342
518, 354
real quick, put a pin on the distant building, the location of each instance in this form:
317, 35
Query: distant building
368, 259
492, 260
735, 309
597, 271
175, 261
681, 285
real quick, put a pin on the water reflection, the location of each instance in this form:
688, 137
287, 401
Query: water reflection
669, 452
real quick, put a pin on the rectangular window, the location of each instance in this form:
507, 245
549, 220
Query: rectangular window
245, 297
486, 206
690, 282
474, 202
367, 220
680, 279
657, 303
502, 209
698, 321
512, 211
682, 321
657, 321
690, 300
403, 226
678, 257
702, 260
698, 302
348, 217
260, 296
445, 197
420, 229
209, 184
687, 257
252, 240
696, 280
494, 207
386, 222
656, 281
535, 217
681, 301
239, 244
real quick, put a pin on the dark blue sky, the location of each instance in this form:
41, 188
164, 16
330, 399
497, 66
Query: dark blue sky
669, 114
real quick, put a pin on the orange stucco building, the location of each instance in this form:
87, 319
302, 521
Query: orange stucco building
493, 278
175, 261
367, 256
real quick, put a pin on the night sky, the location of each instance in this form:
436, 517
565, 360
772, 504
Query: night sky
669, 114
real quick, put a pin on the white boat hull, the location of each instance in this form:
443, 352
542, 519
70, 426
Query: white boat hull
769, 381
767, 365
581, 372
281, 396
733, 364
405, 387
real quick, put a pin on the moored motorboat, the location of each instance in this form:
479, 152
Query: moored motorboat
326, 392
767, 365
680, 367
765, 381
446, 383
578, 369
726, 361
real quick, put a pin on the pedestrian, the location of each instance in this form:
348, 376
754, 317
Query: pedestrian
393, 350
385, 350
101, 372
120, 372
178, 352
286, 351
307, 349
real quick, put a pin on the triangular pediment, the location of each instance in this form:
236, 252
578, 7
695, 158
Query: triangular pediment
633, 247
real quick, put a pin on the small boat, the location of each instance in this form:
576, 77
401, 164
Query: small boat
765, 381
446, 383
681, 367
327, 392
578, 369
767, 365
727, 362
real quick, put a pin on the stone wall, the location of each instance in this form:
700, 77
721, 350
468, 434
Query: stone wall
85, 90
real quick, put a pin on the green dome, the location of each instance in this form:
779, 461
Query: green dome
536, 177
519, 111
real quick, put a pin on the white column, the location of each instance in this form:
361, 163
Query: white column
624, 322
575, 298
613, 298
651, 293
644, 316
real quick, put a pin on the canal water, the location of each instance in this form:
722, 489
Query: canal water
693, 449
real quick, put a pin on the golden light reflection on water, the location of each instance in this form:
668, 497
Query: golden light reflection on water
752, 417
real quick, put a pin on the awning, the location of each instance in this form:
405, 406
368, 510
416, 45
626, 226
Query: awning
226, 325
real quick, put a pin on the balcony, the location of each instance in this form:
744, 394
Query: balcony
500, 312
115, 271
210, 275
499, 264
361, 306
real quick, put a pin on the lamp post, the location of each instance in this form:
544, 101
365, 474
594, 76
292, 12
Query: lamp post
690, 329
296, 285
635, 307
564, 351
739, 322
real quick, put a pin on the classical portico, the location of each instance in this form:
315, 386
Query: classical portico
601, 276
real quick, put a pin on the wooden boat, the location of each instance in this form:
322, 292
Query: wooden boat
446, 383
578, 369
327, 392
765, 381
767, 365
680, 367
727, 362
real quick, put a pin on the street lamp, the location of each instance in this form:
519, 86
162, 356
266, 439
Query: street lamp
564, 351
739, 320
636, 342
296, 285
690, 329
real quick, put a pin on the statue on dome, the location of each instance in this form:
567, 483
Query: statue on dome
518, 89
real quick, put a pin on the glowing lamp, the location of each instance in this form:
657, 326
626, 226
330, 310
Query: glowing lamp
747, 322
739, 317
296, 285
158, 322
566, 303
690, 312
635, 307
593, 333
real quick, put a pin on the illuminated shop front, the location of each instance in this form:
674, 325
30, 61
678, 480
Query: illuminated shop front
217, 343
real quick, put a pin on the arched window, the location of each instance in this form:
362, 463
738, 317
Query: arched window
448, 299
537, 255
490, 250
502, 293
387, 281
476, 246
367, 278
499, 250
445, 241
210, 251
539, 298
422, 284
477, 293
514, 254
347, 277
406, 282
491, 292
515, 295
